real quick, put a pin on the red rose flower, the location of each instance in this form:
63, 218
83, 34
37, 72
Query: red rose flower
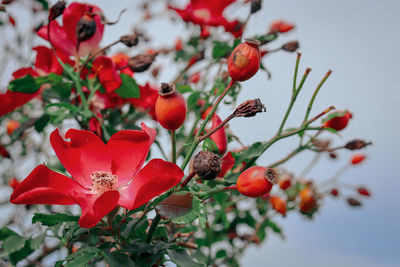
64, 38
147, 100
104, 69
209, 13
228, 161
104, 176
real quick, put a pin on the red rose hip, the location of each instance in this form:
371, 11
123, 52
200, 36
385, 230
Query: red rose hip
254, 182
244, 61
338, 120
170, 107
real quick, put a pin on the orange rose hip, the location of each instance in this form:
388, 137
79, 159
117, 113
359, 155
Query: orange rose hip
244, 61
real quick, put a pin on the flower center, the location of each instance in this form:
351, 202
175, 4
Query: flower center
203, 14
103, 181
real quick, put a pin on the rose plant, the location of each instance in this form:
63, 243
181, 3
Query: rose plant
137, 209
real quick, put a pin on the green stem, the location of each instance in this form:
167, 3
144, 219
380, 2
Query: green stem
203, 125
293, 100
321, 83
153, 227
296, 70
173, 144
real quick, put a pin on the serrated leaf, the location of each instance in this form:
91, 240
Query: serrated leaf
128, 88
81, 257
175, 206
182, 259
183, 88
254, 150
13, 243
21, 254
221, 49
38, 241
117, 259
53, 219
5, 232
192, 100
41, 123
24, 84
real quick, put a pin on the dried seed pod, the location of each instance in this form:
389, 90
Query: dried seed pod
291, 46
255, 6
141, 63
271, 175
56, 10
356, 144
249, 108
353, 202
85, 28
130, 40
207, 165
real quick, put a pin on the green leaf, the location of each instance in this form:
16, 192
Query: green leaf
183, 88
81, 257
53, 219
44, 4
21, 254
25, 84
117, 259
192, 100
5, 232
42, 122
13, 243
221, 253
128, 88
38, 241
175, 205
182, 258
266, 38
221, 49
254, 151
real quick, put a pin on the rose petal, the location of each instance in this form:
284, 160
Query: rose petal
105, 70
58, 38
128, 151
12, 100
154, 179
81, 156
44, 186
95, 207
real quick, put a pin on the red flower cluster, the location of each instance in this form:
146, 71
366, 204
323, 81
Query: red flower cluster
64, 38
104, 176
209, 13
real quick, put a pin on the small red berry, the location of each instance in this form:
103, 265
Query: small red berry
178, 44
195, 78
357, 159
334, 192
244, 61
364, 191
278, 204
338, 120
253, 182
12, 126
170, 107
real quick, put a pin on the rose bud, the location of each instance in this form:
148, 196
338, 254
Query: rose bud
56, 10
249, 108
363, 191
255, 6
321, 143
337, 120
291, 46
356, 144
170, 107
255, 181
85, 28
353, 202
357, 159
207, 165
280, 26
244, 61
130, 40
334, 192
141, 63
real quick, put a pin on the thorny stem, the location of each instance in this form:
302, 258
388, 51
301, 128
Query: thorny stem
203, 125
153, 227
201, 138
173, 144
